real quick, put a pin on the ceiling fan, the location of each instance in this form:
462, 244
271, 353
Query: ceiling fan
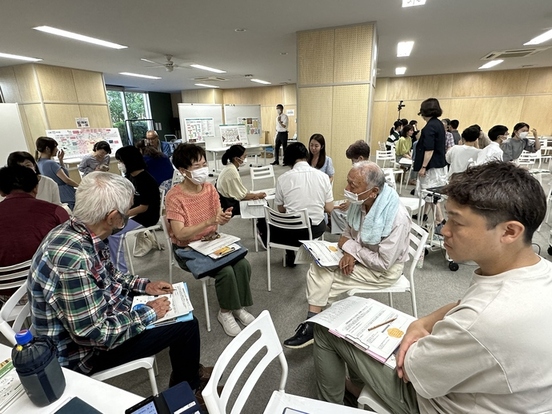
168, 64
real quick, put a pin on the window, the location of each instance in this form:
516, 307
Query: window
130, 113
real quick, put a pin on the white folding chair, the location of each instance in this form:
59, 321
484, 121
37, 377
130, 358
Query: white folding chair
387, 160
12, 277
418, 238
262, 173
177, 177
9, 332
287, 221
370, 398
204, 281
265, 348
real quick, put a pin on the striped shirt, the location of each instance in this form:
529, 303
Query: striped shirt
79, 299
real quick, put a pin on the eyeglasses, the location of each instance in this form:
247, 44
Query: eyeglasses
210, 237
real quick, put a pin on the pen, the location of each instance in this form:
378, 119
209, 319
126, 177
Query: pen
381, 324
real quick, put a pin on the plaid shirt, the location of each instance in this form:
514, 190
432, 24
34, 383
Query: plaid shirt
79, 299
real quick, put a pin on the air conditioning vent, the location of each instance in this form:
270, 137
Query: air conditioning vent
513, 53
210, 78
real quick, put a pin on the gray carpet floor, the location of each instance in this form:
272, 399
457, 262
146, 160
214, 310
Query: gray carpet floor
436, 285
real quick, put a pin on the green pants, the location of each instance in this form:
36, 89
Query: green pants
332, 355
231, 284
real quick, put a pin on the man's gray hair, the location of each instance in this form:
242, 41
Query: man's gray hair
372, 173
99, 193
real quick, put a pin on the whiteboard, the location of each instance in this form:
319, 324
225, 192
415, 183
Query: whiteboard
235, 113
198, 111
12, 129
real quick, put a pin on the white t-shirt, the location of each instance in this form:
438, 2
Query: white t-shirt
491, 152
459, 157
304, 187
491, 353
284, 119
48, 190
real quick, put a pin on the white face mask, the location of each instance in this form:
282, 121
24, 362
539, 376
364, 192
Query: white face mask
523, 134
244, 161
279, 111
121, 167
199, 176
353, 197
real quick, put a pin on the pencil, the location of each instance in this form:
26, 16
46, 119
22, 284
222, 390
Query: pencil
381, 324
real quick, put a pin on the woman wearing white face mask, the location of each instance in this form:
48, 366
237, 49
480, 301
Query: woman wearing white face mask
518, 142
229, 183
194, 212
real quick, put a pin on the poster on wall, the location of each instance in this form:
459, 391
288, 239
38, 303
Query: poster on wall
82, 122
233, 135
199, 128
78, 142
252, 125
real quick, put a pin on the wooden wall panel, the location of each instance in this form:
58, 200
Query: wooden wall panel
419, 87
380, 93
537, 112
485, 112
89, 86
57, 84
315, 112
35, 120
495, 83
379, 126
353, 57
98, 115
315, 57
539, 81
27, 83
271, 95
290, 95
61, 116
8, 84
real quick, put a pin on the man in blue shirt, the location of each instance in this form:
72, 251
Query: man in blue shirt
162, 146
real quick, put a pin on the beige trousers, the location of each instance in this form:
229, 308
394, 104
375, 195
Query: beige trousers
324, 285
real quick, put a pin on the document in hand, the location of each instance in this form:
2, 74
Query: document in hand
371, 326
215, 249
181, 307
324, 253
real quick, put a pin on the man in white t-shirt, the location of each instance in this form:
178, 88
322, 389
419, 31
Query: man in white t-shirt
462, 156
492, 152
487, 352
281, 133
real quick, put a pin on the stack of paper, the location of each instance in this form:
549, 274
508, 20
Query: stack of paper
324, 253
217, 248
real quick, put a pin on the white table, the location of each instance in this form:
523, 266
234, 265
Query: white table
216, 151
280, 401
102, 396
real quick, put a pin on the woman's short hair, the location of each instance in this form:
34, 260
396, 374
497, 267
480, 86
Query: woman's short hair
294, 152
102, 145
358, 149
132, 158
406, 129
19, 157
471, 134
100, 193
322, 155
520, 125
232, 152
17, 177
45, 142
430, 108
185, 155
496, 131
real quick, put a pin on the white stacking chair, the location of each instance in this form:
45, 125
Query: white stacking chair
416, 249
9, 332
265, 348
288, 221
369, 397
387, 161
13, 277
262, 173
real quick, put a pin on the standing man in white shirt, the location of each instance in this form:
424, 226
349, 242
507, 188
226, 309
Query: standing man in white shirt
281, 133
492, 152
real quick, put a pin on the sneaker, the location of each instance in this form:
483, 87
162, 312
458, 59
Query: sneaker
304, 336
243, 316
260, 238
229, 324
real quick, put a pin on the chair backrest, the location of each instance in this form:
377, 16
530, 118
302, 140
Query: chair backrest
527, 158
268, 340
289, 221
384, 157
161, 201
15, 275
6, 329
418, 237
261, 173
177, 177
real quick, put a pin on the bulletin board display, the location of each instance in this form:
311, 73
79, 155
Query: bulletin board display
233, 135
78, 142
200, 122
250, 116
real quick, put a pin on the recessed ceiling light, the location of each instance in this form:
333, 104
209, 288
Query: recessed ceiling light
540, 39
207, 68
400, 70
206, 86
283, 53
76, 36
491, 64
411, 3
137, 75
404, 48
17, 57
240, 30
260, 81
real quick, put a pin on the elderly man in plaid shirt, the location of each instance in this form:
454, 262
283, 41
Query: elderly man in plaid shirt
80, 300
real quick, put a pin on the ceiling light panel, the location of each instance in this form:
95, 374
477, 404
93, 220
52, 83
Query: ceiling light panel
404, 48
261, 81
491, 64
205, 85
138, 75
76, 36
207, 68
18, 57
546, 36
400, 70
412, 3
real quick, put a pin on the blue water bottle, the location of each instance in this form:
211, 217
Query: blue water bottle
35, 361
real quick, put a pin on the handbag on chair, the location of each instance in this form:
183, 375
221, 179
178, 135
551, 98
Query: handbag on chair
200, 265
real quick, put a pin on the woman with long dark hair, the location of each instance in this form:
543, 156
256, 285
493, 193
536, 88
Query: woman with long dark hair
317, 155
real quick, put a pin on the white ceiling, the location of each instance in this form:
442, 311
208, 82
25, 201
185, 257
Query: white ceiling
451, 35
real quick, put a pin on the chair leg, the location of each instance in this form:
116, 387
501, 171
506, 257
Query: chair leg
206, 302
254, 221
153, 382
390, 299
268, 266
